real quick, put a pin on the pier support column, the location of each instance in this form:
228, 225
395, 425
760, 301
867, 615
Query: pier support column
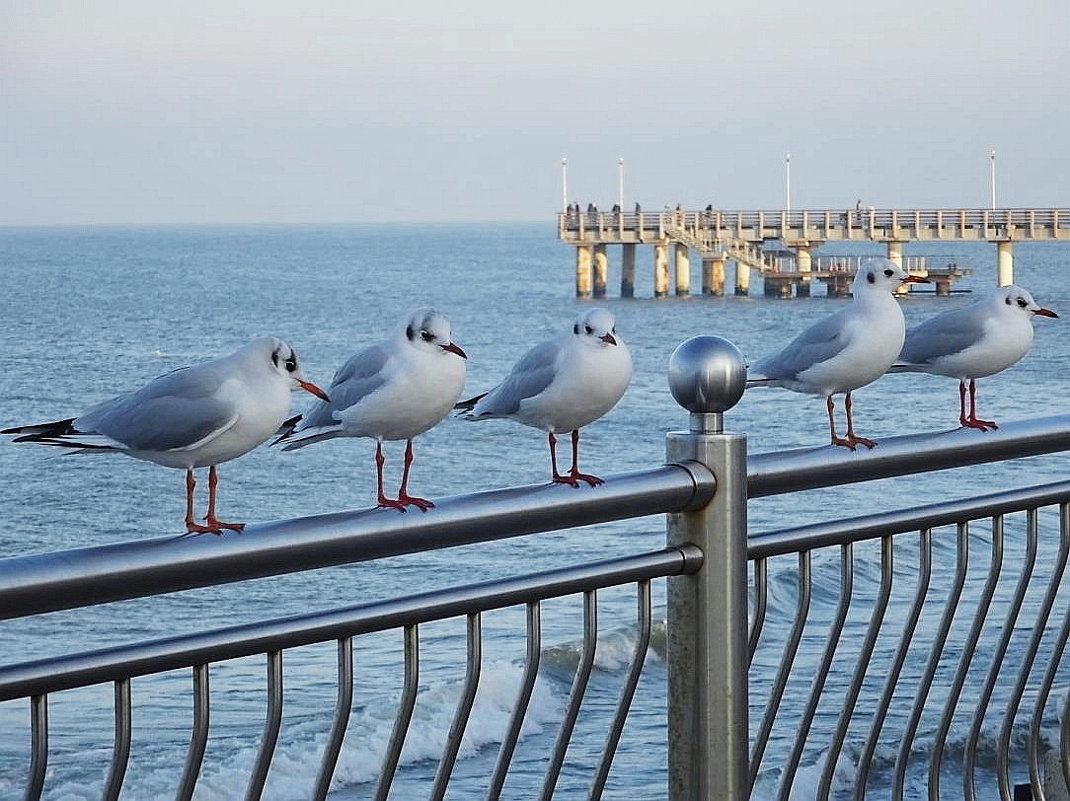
1004, 263
601, 270
742, 278
805, 264
682, 268
661, 270
713, 276
583, 271
627, 270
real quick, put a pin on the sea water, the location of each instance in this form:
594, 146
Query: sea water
91, 312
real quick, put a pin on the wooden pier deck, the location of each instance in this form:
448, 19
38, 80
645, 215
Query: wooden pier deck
743, 236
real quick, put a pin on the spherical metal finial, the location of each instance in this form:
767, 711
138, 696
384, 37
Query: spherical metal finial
707, 375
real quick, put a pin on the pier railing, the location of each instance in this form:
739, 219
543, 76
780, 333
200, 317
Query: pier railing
983, 654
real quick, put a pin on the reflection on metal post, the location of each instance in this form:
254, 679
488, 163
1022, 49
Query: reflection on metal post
707, 611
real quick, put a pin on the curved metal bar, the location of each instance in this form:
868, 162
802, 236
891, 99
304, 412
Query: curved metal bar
925, 569
342, 708
406, 704
516, 719
1030, 652
939, 641
575, 696
38, 747
761, 600
1044, 690
464, 708
875, 621
973, 736
121, 752
271, 727
787, 778
968, 649
199, 737
631, 681
787, 660
154, 566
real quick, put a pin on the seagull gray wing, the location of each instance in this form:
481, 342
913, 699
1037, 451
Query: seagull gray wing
176, 411
357, 378
531, 375
818, 343
943, 335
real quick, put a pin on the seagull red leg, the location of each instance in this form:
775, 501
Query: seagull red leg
575, 471
974, 421
192, 526
832, 427
557, 477
852, 437
214, 524
403, 493
380, 460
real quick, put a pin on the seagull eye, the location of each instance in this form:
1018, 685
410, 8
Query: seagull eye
291, 364
1022, 303
589, 330
427, 336
888, 273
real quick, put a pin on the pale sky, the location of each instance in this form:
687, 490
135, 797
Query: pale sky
133, 111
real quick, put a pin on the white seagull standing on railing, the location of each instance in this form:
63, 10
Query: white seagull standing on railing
846, 350
562, 385
972, 342
394, 390
198, 416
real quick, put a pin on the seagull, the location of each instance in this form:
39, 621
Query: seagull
846, 350
396, 389
199, 416
973, 341
562, 385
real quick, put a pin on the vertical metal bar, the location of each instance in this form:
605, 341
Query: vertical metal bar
1064, 741
121, 751
926, 680
706, 648
516, 719
875, 620
406, 704
1002, 763
271, 727
968, 648
787, 660
821, 675
575, 695
199, 737
761, 600
464, 707
970, 747
38, 747
624, 703
1044, 690
342, 709
905, 639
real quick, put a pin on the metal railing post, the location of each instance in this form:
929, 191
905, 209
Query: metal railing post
707, 611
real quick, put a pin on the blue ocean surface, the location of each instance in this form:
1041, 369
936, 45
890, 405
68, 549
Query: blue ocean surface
91, 312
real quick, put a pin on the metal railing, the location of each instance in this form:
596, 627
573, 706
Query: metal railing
733, 731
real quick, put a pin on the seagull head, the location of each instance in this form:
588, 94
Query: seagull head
883, 275
597, 328
1014, 297
283, 361
429, 329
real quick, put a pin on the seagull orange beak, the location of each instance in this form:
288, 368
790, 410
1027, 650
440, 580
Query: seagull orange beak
608, 339
916, 279
1045, 313
455, 349
308, 386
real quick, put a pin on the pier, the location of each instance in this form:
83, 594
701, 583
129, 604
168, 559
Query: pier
743, 238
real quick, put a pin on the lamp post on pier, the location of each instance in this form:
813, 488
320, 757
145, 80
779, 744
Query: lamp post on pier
620, 183
787, 181
564, 184
992, 161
